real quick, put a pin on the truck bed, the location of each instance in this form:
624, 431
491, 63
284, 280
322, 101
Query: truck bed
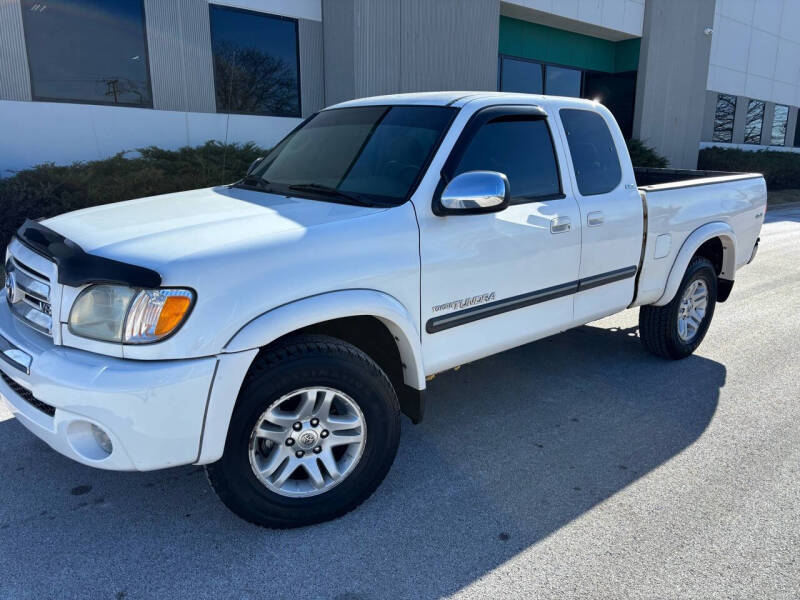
676, 202
652, 179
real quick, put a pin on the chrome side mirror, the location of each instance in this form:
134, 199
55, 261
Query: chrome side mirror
475, 192
254, 164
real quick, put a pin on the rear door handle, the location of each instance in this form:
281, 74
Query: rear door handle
593, 219
560, 225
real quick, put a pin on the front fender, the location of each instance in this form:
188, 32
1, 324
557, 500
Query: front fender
336, 305
243, 347
696, 239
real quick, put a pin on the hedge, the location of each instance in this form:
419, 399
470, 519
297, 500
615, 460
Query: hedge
48, 190
780, 169
645, 156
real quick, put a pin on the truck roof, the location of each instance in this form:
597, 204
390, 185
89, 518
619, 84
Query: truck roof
459, 99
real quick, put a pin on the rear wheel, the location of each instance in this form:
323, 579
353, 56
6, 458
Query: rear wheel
314, 432
676, 329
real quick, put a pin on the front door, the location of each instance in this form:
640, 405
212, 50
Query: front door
495, 281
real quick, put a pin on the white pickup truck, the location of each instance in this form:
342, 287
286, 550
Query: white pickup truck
274, 329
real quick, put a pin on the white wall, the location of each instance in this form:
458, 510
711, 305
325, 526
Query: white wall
755, 50
620, 18
37, 132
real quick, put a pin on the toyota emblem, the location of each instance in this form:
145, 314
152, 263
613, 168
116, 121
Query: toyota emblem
11, 286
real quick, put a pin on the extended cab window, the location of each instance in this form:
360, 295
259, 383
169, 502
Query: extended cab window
594, 156
522, 150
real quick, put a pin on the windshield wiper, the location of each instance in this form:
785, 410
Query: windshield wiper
325, 190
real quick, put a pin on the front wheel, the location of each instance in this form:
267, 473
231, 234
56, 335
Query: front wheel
675, 330
314, 432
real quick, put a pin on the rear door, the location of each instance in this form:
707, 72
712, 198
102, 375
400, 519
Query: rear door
611, 212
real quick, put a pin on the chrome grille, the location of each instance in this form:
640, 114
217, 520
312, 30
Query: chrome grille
29, 295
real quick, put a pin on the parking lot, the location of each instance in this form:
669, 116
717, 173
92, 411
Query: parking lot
577, 466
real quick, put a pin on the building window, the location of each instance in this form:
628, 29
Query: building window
779, 122
754, 122
562, 82
530, 77
256, 62
90, 51
723, 118
522, 76
615, 90
797, 133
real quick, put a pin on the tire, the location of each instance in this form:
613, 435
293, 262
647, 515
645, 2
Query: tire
659, 325
355, 382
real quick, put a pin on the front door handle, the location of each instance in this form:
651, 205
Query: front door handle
593, 219
560, 225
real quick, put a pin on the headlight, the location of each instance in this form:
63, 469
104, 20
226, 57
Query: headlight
115, 313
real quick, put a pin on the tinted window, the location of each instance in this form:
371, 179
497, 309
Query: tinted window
594, 155
520, 149
562, 82
91, 51
754, 122
779, 122
723, 118
375, 152
521, 76
255, 63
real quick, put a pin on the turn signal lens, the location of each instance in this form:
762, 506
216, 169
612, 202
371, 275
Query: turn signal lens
175, 308
154, 314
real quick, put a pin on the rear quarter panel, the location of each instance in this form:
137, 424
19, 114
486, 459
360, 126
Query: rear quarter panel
678, 210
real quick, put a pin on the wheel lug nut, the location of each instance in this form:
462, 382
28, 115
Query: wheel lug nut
299, 454
290, 441
314, 422
317, 449
324, 433
297, 426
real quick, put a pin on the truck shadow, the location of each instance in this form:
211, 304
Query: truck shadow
513, 448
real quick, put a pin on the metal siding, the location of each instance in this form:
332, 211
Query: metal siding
673, 71
449, 44
377, 47
766, 125
338, 38
791, 124
312, 79
179, 48
198, 59
709, 114
15, 78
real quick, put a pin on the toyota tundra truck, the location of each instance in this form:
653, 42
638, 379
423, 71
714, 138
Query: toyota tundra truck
275, 329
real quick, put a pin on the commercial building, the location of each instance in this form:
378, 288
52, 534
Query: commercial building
85, 79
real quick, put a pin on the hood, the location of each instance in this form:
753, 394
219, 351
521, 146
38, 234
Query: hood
159, 230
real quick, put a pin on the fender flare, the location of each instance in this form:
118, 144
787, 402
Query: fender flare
696, 239
295, 315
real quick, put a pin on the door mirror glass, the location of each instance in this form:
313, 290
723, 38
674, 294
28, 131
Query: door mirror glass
254, 164
476, 192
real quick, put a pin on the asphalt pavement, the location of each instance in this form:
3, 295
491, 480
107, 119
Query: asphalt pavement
575, 467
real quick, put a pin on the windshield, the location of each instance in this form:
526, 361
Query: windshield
370, 153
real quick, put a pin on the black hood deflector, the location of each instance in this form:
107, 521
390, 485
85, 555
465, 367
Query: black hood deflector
76, 267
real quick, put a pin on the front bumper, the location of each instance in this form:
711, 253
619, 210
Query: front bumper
152, 411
